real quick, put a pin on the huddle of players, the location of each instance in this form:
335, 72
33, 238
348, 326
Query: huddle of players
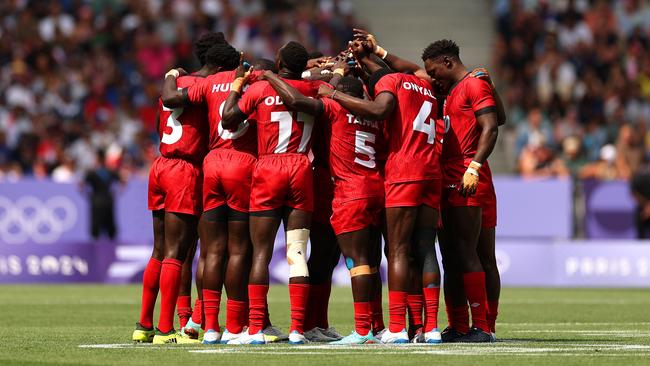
237, 152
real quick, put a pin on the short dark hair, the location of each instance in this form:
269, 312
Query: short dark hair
375, 77
351, 86
223, 55
265, 64
294, 56
203, 44
443, 47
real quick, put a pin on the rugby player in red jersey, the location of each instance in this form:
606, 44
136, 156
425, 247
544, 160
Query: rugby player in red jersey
455, 298
282, 186
227, 171
358, 187
175, 184
412, 185
471, 112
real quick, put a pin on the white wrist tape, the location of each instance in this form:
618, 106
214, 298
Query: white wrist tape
297, 252
306, 74
472, 171
476, 163
172, 72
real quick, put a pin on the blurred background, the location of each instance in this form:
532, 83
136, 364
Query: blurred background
79, 82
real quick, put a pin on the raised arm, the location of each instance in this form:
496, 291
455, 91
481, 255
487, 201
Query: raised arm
232, 116
291, 97
170, 95
377, 109
393, 61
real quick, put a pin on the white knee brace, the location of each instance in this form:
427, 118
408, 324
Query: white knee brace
297, 252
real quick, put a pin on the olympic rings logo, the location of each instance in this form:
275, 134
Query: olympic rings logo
31, 219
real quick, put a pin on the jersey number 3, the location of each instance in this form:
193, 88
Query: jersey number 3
174, 124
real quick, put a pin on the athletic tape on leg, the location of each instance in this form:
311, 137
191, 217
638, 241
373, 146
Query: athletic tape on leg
297, 252
360, 271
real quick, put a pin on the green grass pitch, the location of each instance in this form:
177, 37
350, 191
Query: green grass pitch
92, 324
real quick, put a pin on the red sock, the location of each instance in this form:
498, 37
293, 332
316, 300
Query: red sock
377, 315
321, 310
474, 283
362, 317
235, 315
211, 304
170, 279
197, 313
184, 309
396, 311
298, 297
415, 305
257, 307
150, 286
244, 319
431, 299
493, 311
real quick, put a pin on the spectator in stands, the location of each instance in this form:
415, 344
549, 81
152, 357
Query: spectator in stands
539, 160
640, 187
605, 168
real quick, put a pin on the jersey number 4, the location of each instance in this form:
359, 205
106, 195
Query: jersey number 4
420, 122
174, 124
285, 121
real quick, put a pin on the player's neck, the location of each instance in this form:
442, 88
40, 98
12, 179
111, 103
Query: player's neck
459, 73
288, 74
206, 70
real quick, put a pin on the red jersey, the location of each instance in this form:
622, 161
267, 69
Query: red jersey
213, 91
414, 133
467, 98
279, 131
184, 131
353, 146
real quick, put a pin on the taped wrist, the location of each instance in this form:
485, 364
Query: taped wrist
381, 52
237, 85
172, 72
297, 252
474, 167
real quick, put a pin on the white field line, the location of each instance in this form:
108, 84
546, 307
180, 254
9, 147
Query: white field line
571, 324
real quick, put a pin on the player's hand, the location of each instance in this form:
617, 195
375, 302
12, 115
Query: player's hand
483, 74
469, 184
357, 49
177, 72
317, 62
325, 91
242, 75
342, 65
369, 42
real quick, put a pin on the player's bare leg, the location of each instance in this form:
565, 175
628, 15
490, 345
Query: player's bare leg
355, 249
297, 223
184, 301
455, 299
400, 222
487, 254
180, 231
263, 229
236, 280
464, 223
144, 331
376, 292
323, 246
213, 228
426, 261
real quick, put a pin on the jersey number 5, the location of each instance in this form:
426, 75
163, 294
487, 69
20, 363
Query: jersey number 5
360, 147
420, 122
285, 122
174, 124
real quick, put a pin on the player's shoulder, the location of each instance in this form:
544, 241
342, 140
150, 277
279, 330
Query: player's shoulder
222, 76
188, 80
472, 83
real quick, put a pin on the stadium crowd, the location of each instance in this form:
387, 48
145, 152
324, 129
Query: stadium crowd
576, 78
81, 75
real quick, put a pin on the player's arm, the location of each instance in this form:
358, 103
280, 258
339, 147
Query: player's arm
393, 61
482, 73
170, 95
232, 116
377, 109
291, 97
